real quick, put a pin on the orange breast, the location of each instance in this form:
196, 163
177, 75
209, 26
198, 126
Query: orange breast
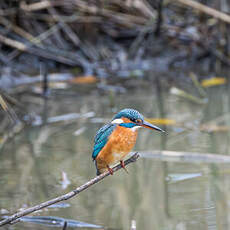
120, 143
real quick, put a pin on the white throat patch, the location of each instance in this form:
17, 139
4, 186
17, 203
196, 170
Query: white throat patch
135, 128
117, 121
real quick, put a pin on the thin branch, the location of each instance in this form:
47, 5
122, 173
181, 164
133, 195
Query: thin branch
18, 30
8, 110
40, 5
42, 52
16, 216
207, 10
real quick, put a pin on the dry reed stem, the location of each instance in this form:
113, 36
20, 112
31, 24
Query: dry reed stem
207, 10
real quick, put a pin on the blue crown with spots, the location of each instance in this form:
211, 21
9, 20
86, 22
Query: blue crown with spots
131, 114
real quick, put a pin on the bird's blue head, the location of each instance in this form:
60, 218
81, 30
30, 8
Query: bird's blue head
131, 114
131, 118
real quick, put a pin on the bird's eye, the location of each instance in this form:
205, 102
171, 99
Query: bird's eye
138, 121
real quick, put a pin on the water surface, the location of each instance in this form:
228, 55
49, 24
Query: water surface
156, 194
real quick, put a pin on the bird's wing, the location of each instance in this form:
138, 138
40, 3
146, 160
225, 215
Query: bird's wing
101, 138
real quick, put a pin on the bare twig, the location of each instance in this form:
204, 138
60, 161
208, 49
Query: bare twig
67, 196
207, 10
12, 100
8, 110
65, 27
37, 51
39, 5
18, 30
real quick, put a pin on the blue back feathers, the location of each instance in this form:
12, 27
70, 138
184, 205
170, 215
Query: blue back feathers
101, 138
131, 114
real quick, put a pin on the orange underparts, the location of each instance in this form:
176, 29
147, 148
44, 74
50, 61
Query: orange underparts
119, 144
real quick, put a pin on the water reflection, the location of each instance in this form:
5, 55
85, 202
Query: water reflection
32, 164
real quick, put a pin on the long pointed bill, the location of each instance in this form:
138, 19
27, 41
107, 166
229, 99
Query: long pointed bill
150, 126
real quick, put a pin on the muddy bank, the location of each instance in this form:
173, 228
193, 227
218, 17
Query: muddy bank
111, 39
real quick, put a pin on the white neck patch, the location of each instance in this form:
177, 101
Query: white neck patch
117, 121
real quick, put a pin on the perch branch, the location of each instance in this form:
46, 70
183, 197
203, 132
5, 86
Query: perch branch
16, 216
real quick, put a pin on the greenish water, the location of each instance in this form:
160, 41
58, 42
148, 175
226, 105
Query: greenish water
155, 194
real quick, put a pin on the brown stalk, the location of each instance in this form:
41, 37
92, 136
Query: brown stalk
207, 10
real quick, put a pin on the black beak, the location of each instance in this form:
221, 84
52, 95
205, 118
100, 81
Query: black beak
148, 125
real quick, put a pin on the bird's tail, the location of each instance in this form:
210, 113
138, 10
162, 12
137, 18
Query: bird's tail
97, 172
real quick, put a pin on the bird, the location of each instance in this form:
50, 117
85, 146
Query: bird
116, 139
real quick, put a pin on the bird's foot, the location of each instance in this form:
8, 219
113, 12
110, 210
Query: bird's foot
110, 170
123, 166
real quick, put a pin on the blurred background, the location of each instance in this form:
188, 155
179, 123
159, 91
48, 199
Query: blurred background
66, 67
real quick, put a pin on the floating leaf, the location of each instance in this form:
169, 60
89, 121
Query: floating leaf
161, 121
84, 80
177, 177
213, 81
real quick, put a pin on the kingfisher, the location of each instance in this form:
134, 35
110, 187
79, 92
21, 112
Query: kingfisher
116, 139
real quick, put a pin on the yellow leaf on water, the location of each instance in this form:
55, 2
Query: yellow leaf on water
84, 80
213, 81
161, 121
